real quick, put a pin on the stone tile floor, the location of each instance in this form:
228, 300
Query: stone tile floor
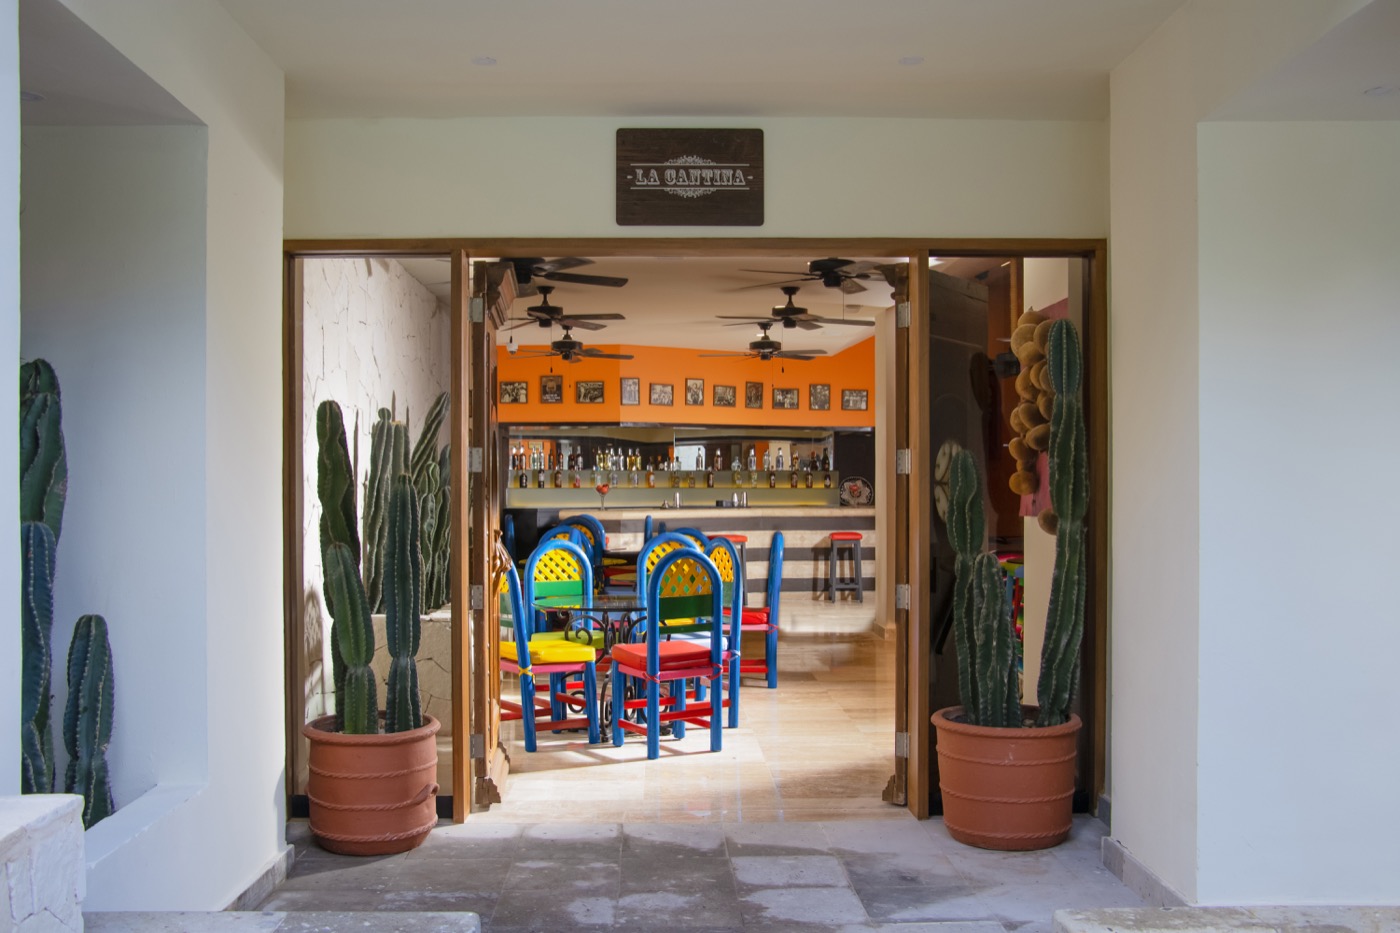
697, 876
782, 830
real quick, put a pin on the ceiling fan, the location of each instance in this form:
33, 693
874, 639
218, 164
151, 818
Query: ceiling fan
573, 351
766, 348
791, 315
547, 315
844, 274
529, 268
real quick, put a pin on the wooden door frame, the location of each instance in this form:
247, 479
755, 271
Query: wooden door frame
916, 629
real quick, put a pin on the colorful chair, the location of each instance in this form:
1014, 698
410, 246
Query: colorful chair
595, 540
560, 567
684, 594
529, 656
765, 620
701, 539
651, 553
724, 556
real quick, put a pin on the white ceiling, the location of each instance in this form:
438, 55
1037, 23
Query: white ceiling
989, 59
673, 302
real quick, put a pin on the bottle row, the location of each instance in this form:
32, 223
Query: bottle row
615, 459
709, 478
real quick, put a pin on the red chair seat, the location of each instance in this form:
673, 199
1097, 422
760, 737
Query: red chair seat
674, 655
845, 536
754, 618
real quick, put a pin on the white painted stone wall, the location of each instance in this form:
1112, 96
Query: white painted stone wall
42, 880
374, 337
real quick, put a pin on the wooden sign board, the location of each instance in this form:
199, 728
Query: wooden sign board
683, 177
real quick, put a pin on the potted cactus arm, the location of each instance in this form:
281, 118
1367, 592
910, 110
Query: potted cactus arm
1069, 496
403, 602
36, 738
352, 637
998, 695
87, 720
966, 531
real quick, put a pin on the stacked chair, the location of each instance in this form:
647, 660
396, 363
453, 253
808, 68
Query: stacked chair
765, 619
531, 655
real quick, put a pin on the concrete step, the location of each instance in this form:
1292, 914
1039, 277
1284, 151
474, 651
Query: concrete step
1228, 920
277, 921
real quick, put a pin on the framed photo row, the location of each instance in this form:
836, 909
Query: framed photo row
515, 393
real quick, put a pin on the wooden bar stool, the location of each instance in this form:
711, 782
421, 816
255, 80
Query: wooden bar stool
852, 541
740, 543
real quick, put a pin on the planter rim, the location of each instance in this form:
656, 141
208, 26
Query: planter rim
942, 719
322, 729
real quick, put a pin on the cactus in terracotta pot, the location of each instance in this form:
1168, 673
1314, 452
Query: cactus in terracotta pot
388, 458
87, 720
1069, 496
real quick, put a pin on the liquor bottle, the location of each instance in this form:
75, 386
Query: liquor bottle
772, 479
792, 479
826, 460
719, 459
779, 464
558, 476
826, 481
539, 479
753, 459
524, 479
767, 460
651, 475
710, 478
808, 474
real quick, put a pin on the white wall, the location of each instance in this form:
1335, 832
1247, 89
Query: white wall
9, 429
113, 283
1153, 347
139, 858
823, 177
1299, 743
1172, 634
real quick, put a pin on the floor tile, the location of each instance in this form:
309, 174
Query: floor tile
564, 877
673, 840
537, 911
680, 908
951, 899
777, 871
766, 908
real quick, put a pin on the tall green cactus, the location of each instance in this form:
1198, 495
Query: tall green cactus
388, 458
425, 451
36, 738
43, 489
87, 720
983, 631
352, 637
1069, 495
43, 461
403, 604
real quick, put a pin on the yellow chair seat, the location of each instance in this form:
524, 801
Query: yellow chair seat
550, 652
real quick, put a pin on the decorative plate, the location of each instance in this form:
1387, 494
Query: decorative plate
856, 490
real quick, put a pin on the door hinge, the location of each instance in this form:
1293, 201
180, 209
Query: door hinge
475, 460
903, 462
901, 744
478, 746
901, 595
901, 314
476, 310
478, 597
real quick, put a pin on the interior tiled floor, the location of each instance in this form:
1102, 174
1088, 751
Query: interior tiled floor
782, 830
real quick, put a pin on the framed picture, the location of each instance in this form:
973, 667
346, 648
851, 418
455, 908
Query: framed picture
551, 390
695, 391
819, 397
515, 393
723, 397
753, 395
631, 390
588, 393
662, 393
854, 399
784, 398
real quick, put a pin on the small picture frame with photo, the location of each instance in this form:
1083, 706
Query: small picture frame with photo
784, 399
855, 399
753, 395
695, 391
723, 396
662, 393
819, 397
631, 390
588, 392
551, 390
515, 393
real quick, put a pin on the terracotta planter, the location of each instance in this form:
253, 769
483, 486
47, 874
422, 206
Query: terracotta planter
372, 794
1007, 789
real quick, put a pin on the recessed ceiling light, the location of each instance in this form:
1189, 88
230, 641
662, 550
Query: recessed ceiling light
483, 60
912, 60
30, 97
1381, 90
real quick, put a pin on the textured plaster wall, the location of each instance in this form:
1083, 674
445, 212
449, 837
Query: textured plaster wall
373, 338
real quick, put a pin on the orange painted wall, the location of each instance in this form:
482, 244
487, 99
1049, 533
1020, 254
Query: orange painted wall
853, 368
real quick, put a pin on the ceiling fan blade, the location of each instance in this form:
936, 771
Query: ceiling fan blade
610, 316
800, 281
806, 323
854, 322
612, 281
743, 317
857, 268
600, 355
788, 355
802, 352
724, 354
777, 272
851, 286
580, 324
519, 322
558, 265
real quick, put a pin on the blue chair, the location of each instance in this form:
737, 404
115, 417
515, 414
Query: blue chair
595, 540
508, 533
684, 594
558, 566
646, 530
765, 620
725, 557
651, 553
530, 655
701, 539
